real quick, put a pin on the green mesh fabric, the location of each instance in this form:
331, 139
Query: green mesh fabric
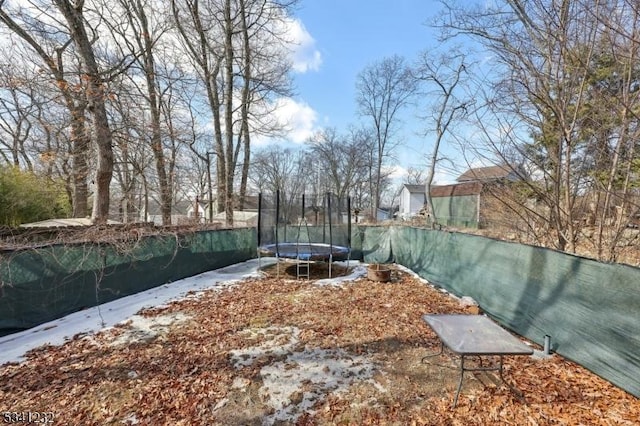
39, 285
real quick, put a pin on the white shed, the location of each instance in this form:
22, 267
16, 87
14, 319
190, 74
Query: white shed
412, 199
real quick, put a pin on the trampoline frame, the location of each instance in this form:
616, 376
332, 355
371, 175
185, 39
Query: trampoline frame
305, 251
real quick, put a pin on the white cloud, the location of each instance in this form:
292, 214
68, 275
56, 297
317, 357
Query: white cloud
297, 118
398, 172
444, 177
304, 55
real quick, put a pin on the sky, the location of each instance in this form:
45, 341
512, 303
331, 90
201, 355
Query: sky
337, 40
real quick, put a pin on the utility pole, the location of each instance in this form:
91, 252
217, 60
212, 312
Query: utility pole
210, 202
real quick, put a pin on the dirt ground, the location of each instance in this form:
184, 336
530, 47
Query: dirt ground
281, 351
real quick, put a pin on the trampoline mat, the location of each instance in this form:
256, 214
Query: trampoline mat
305, 251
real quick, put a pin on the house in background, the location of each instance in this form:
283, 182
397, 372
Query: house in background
247, 217
459, 204
384, 213
189, 212
489, 174
181, 212
196, 213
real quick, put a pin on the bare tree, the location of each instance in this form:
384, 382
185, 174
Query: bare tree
68, 22
541, 50
415, 176
610, 125
55, 55
339, 157
133, 163
17, 104
198, 32
275, 168
440, 77
383, 89
265, 71
361, 185
234, 45
73, 13
137, 27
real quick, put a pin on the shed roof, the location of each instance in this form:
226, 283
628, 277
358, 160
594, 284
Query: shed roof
457, 189
414, 188
486, 173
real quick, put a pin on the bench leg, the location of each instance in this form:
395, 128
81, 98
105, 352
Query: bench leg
436, 354
517, 392
455, 401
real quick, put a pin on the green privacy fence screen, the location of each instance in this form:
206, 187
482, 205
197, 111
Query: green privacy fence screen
590, 309
39, 285
372, 244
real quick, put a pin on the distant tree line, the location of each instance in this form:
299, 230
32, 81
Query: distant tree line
135, 103
118, 98
331, 161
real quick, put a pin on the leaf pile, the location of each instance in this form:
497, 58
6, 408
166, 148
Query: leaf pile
184, 372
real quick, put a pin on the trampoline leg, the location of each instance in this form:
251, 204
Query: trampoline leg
330, 261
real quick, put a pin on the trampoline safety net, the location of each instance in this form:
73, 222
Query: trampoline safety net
309, 223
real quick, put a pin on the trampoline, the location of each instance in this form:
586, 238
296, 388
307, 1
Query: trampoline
306, 251
318, 231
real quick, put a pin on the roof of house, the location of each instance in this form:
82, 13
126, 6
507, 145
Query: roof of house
414, 188
178, 208
486, 173
239, 216
250, 202
64, 222
456, 189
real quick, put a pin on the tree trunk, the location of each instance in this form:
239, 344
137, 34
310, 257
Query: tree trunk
246, 137
96, 105
429, 182
228, 113
156, 136
80, 146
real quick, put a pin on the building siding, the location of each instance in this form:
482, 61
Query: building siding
460, 211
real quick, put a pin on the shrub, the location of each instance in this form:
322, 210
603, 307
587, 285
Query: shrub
26, 197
